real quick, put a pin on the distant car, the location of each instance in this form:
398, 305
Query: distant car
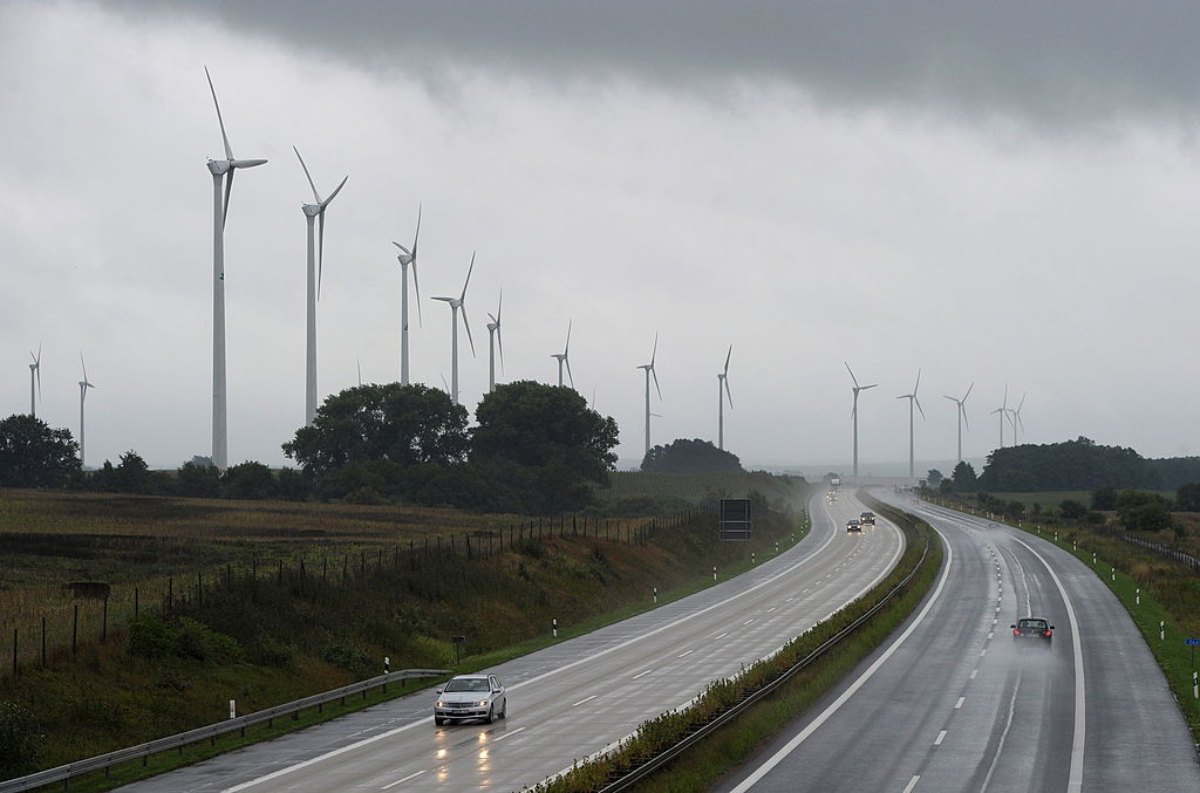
867, 518
1032, 630
470, 697
853, 525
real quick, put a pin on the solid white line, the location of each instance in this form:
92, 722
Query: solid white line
398, 781
1078, 742
958, 705
720, 636
686, 654
941, 737
912, 783
751, 620
642, 674
580, 702
1012, 708
828, 713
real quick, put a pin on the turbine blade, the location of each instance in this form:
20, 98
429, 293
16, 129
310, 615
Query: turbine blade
851, 371
221, 121
918, 385
306, 173
401, 247
337, 190
728, 355
228, 193
467, 325
865, 387
653, 353
918, 404
499, 305
83, 365
952, 399
417, 235
964, 399
567, 348
570, 376
656, 388
470, 269
966, 423
38, 371
728, 393
417, 286
500, 344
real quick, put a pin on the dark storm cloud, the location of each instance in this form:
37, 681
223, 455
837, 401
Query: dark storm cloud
1063, 62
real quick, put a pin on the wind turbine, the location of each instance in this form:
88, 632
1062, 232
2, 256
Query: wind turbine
1015, 417
84, 385
316, 260
722, 394
912, 400
1002, 410
962, 416
455, 304
222, 173
649, 368
565, 358
494, 340
407, 257
35, 371
854, 410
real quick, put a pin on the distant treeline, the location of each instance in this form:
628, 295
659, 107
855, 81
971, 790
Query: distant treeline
1082, 464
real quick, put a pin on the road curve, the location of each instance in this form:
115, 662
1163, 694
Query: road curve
576, 698
950, 704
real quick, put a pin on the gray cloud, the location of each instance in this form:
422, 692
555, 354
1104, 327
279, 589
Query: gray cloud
1072, 62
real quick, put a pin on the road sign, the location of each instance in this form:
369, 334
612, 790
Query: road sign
735, 519
1192, 642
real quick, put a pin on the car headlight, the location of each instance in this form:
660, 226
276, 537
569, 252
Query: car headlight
482, 702
439, 704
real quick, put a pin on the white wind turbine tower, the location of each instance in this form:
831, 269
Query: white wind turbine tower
722, 394
84, 385
1015, 417
455, 304
962, 416
35, 371
495, 340
565, 358
316, 260
912, 400
854, 410
1002, 410
649, 369
407, 257
222, 172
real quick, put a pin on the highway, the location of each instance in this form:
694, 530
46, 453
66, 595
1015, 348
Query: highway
949, 704
574, 699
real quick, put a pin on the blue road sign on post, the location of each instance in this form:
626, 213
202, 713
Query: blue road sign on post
1192, 642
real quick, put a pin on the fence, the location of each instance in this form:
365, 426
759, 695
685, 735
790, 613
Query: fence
52, 626
1163, 550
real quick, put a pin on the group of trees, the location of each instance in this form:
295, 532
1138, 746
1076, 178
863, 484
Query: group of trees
690, 457
535, 449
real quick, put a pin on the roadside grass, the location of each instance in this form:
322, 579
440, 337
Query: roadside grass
695, 488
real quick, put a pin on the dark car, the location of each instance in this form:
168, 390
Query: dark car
867, 518
1032, 629
853, 525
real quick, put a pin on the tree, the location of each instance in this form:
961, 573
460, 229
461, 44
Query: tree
33, 455
403, 424
545, 441
22, 742
689, 457
1140, 511
1104, 498
249, 480
1187, 498
196, 480
964, 478
1072, 509
934, 478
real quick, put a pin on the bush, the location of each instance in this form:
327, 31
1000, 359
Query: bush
154, 638
22, 741
1072, 509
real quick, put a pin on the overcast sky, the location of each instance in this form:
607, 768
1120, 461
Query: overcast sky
1002, 194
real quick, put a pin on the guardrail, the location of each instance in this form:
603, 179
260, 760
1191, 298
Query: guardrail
656, 763
64, 773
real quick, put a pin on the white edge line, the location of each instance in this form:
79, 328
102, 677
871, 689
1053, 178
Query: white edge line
825, 715
508, 735
580, 702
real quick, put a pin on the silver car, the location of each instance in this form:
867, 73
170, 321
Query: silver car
470, 697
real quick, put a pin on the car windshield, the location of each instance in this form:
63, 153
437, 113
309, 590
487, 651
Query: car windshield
1032, 624
468, 684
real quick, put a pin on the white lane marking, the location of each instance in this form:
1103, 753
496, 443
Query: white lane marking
1079, 740
958, 705
772, 609
508, 734
642, 674
398, 781
983, 652
720, 636
686, 654
580, 702
991, 634
828, 713
751, 620
1012, 707
941, 737
912, 783
974, 672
